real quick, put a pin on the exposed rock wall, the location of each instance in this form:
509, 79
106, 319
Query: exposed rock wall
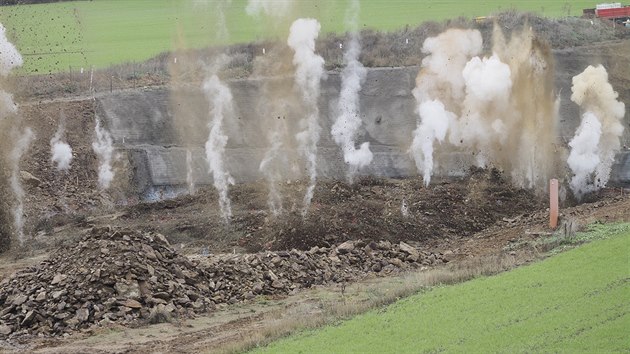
143, 121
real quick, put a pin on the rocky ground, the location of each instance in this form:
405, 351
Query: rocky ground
123, 276
106, 289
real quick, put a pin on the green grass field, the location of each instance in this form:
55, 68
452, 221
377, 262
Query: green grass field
55, 37
577, 301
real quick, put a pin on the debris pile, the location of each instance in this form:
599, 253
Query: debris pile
244, 276
122, 276
109, 276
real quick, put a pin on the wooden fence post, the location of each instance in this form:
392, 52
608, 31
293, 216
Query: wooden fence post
553, 203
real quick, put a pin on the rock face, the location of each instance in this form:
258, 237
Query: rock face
122, 275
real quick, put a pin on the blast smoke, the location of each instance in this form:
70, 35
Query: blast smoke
528, 148
503, 108
22, 144
279, 103
10, 58
440, 76
274, 8
61, 155
272, 173
308, 74
435, 122
189, 172
584, 158
439, 85
221, 108
103, 146
488, 86
60, 151
348, 122
7, 106
14, 143
597, 139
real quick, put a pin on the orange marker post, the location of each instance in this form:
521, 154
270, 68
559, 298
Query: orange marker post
553, 203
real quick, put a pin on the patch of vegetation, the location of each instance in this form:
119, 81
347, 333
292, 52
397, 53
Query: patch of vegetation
599, 231
573, 302
564, 239
560, 241
68, 36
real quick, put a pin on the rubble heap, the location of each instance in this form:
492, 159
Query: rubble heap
109, 276
122, 276
244, 276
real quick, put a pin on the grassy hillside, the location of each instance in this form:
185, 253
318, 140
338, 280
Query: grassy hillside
54, 37
573, 302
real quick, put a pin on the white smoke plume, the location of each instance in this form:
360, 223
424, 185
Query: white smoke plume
308, 74
189, 172
273, 8
439, 85
441, 73
584, 158
348, 122
22, 144
488, 88
502, 109
487, 79
103, 146
11, 136
60, 151
61, 155
597, 139
435, 122
10, 58
221, 108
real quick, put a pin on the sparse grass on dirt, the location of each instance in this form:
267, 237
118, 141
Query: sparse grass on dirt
575, 301
59, 36
359, 298
560, 241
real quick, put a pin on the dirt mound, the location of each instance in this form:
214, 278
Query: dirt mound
109, 276
393, 210
123, 276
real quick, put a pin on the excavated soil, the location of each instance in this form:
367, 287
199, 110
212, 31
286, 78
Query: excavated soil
372, 208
